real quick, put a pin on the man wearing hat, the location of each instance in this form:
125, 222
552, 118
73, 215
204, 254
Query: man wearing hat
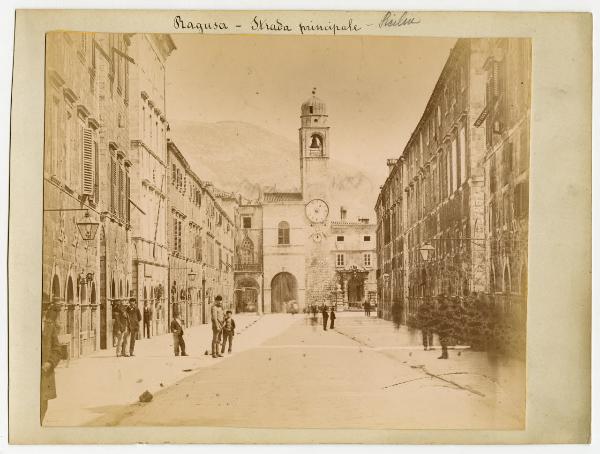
134, 315
218, 319
51, 355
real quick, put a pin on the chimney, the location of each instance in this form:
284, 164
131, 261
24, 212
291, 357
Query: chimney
343, 213
391, 163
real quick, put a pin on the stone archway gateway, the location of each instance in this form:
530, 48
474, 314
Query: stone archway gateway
356, 290
246, 295
284, 292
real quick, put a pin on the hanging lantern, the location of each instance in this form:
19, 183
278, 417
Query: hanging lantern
87, 227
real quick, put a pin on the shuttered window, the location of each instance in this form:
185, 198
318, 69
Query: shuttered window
113, 186
96, 174
127, 196
87, 158
121, 192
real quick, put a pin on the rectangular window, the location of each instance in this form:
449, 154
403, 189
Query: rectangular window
367, 238
454, 166
448, 173
174, 175
462, 149
367, 259
247, 222
339, 260
340, 238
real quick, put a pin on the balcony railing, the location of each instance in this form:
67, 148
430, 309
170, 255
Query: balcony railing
249, 267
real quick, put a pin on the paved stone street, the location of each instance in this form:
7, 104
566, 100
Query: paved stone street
286, 372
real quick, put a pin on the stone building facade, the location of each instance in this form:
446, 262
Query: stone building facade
86, 172
201, 235
505, 120
248, 261
355, 262
148, 138
435, 195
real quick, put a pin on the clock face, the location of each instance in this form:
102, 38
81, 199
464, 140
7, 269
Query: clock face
317, 210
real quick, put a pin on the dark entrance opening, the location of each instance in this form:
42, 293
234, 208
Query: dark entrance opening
284, 293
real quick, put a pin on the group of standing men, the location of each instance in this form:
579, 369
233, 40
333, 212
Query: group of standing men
126, 326
327, 314
223, 328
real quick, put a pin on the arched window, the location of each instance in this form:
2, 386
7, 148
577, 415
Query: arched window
247, 252
55, 295
283, 233
316, 144
507, 279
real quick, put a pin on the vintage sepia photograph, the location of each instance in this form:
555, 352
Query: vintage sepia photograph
285, 232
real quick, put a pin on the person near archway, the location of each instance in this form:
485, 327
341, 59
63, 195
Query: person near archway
177, 330
51, 355
332, 318
325, 317
135, 317
217, 320
147, 319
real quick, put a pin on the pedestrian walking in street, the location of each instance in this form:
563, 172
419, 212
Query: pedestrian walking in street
314, 311
135, 317
177, 330
425, 321
443, 326
120, 328
228, 331
217, 320
147, 319
332, 318
367, 307
325, 317
51, 355
127, 333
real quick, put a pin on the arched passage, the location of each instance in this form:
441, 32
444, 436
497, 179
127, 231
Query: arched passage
284, 292
356, 290
246, 295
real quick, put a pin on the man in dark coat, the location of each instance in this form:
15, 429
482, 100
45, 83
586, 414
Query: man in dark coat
147, 319
443, 326
134, 316
425, 321
332, 318
325, 317
177, 330
51, 355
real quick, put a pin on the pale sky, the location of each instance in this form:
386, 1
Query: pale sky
375, 88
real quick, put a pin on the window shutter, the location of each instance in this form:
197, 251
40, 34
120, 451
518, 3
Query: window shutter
96, 174
87, 146
127, 196
120, 192
113, 186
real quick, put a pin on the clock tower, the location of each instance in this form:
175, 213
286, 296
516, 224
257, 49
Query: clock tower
314, 159
314, 149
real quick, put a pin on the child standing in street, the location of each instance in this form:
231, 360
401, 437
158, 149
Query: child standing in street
228, 331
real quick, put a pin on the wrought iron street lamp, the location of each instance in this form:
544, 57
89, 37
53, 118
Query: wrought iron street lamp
87, 227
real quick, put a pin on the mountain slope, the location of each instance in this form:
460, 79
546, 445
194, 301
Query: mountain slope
243, 157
